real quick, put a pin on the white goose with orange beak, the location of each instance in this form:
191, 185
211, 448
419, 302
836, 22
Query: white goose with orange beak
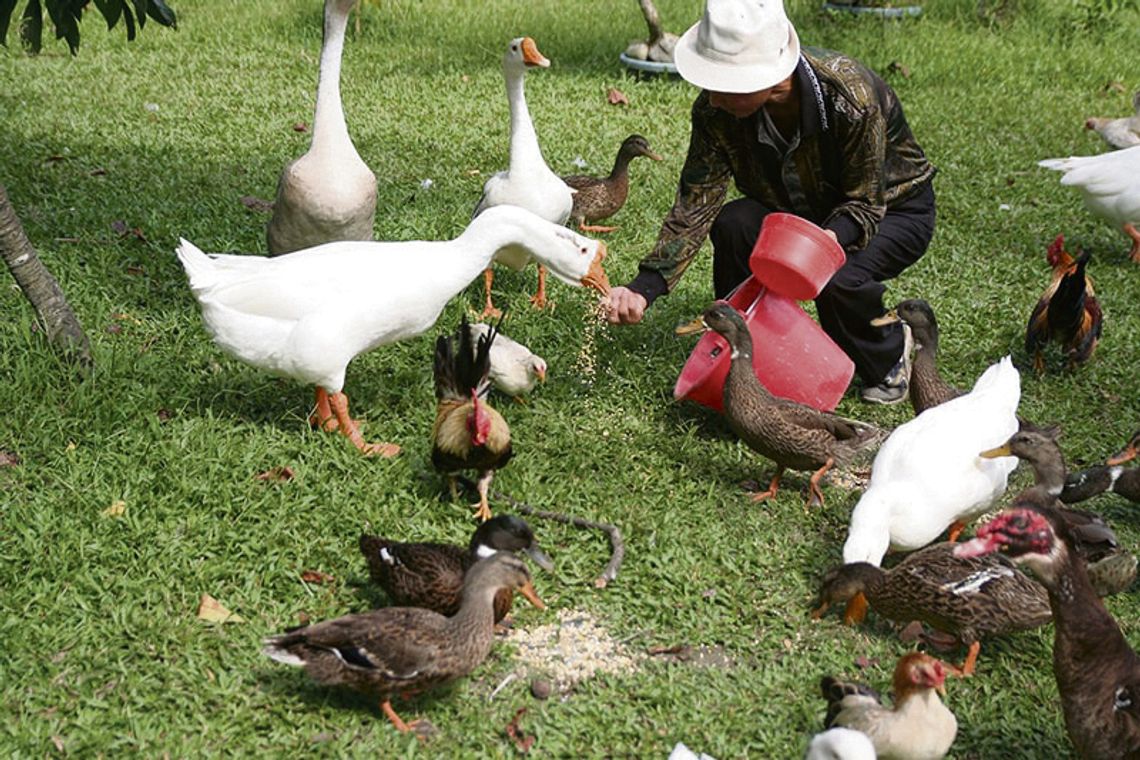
528, 182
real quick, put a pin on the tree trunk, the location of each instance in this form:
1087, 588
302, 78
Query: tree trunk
37, 283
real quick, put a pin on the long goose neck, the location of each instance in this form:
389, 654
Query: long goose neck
524, 140
329, 128
494, 230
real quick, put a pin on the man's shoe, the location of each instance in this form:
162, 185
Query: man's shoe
894, 386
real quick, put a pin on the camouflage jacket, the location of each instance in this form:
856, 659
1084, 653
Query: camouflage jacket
852, 157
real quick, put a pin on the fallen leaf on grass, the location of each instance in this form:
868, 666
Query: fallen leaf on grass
164, 415
99, 172
300, 127
113, 328
117, 509
120, 228
1114, 86
863, 662
253, 203
135, 269
616, 97
9, 458
522, 742
212, 611
276, 475
316, 576
57, 741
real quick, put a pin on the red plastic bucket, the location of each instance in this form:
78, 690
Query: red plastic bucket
794, 257
792, 356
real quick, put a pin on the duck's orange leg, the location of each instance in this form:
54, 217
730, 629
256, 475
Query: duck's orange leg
813, 487
397, 721
955, 530
539, 297
489, 310
967, 667
856, 610
348, 427
773, 487
1131, 231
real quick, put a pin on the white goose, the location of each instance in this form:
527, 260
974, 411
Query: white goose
329, 193
1110, 184
928, 475
307, 314
528, 182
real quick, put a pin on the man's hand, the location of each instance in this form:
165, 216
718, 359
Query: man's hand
626, 306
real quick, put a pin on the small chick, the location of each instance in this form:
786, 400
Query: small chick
1119, 133
840, 744
514, 368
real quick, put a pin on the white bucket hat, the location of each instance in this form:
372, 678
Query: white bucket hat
738, 46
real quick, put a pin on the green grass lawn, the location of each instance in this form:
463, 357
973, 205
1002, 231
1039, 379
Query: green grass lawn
102, 653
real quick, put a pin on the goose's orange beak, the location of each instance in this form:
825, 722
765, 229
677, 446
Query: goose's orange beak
531, 56
595, 276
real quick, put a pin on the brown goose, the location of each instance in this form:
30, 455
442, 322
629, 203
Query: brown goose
404, 649
598, 198
967, 599
927, 388
792, 435
1097, 672
1111, 569
430, 575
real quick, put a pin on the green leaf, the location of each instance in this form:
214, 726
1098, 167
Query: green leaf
111, 10
162, 13
64, 22
130, 21
32, 27
6, 8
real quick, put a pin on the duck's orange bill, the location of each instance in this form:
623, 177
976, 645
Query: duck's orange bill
696, 326
527, 590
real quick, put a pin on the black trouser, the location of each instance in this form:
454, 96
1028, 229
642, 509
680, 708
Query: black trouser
854, 295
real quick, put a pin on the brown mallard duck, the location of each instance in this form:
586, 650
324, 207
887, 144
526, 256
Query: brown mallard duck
1097, 672
927, 388
598, 198
405, 649
1110, 568
966, 599
1108, 477
791, 434
430, 575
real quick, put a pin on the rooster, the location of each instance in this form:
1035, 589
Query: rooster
1067, 312
468, 434
918, 726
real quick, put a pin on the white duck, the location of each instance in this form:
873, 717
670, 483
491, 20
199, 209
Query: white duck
1110, 184
528, 182
928, 475
329, 193
514, 368
307, 314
